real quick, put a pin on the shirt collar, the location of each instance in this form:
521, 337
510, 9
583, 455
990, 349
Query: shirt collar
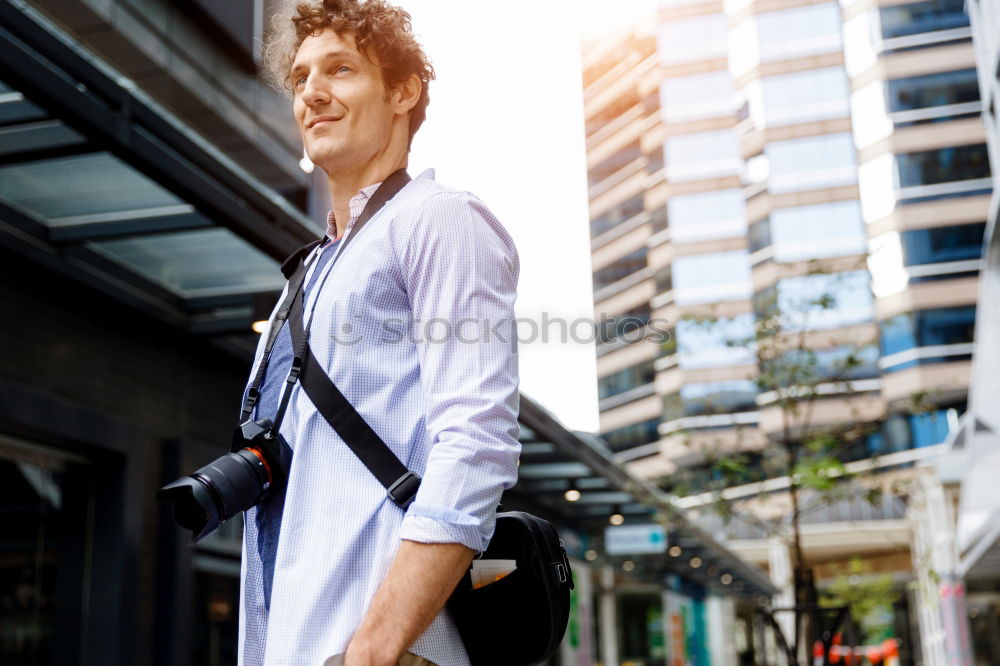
356, 206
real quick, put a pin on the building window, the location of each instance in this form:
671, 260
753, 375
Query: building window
814, 232
687, 40
944, 165
632, 436
800, 97
820, 301
702, 155
620, 268
706, 215
725, 341
697, 96
608, 167
833, 364
930, 90
811, 163
784, 34
921, 17
961, 242
630, 325
625, 380
700, 399
707, 278
928, 328
616, 215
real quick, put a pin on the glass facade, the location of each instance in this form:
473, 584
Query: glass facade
784, 34
944, 165
625, 380
814, 232
616, 215
715, 343
633, 435
706, 215
921, 17
925, 328
700, 399
606, 168
799, 97
629, 325
930, 90
687, 40
697, 96
820, 301
943, 244
811, 163
707, 278
834, 364
620, 268
702, 155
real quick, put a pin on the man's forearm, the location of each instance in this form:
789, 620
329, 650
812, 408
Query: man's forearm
418, 584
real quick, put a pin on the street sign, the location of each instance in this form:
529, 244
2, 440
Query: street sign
635, 539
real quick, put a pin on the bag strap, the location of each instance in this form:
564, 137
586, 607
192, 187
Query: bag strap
400, 483
294, 270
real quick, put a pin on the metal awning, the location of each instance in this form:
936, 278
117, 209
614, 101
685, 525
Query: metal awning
554, 458
100, 183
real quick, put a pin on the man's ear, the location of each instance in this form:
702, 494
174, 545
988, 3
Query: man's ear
406, 95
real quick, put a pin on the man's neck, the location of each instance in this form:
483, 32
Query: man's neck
344, 185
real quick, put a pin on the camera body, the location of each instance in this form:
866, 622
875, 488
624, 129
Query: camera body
231, 483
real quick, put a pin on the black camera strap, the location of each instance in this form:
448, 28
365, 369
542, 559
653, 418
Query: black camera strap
329, 401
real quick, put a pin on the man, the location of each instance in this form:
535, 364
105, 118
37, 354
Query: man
406, 325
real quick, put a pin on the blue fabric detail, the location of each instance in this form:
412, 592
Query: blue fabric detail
269, 510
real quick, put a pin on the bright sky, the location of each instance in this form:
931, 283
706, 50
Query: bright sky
506, 123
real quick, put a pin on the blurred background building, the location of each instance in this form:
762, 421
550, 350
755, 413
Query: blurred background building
732, 148
150, 185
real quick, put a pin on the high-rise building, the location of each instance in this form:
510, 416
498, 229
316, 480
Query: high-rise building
745, 152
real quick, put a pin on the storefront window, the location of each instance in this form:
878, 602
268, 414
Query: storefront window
47, 514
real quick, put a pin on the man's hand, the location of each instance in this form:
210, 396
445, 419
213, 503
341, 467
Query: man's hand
421, 579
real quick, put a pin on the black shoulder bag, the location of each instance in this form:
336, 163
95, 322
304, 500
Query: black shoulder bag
517, 620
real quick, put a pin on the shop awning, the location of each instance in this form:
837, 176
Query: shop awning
102, 184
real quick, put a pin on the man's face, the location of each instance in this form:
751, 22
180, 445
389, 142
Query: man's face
341, 103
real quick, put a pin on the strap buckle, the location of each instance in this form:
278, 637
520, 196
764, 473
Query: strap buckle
404, 489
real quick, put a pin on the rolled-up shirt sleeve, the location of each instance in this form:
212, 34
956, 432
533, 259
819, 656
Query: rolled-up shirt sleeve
460, 269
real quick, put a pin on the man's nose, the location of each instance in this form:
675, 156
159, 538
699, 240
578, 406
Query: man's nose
314, 92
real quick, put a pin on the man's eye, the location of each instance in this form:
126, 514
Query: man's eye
300, 81
344, 68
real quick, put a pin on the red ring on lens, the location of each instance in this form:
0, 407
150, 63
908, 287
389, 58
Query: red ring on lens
260, 456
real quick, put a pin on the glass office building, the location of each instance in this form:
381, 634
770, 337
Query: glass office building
758, 141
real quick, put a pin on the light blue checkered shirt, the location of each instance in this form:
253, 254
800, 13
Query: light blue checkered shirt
414, 324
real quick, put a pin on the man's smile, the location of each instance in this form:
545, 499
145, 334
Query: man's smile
321, 119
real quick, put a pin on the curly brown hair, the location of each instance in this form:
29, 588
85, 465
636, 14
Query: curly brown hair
381, 31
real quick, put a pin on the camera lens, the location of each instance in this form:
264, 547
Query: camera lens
221, 489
